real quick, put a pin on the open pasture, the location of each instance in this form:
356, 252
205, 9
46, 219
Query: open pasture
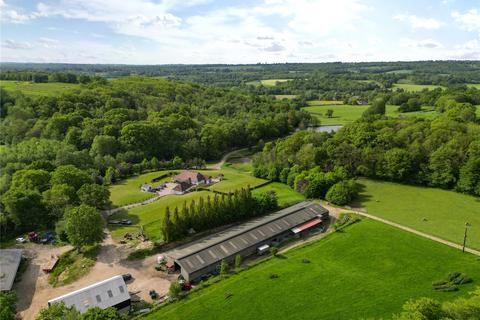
37, 89
370, 267
441, 213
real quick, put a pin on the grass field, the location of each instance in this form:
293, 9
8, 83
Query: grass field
266, 82
474, 85
37, 89
286, 195
343, 114
150, 215
438, 212
415, 87
285, 96
367, 271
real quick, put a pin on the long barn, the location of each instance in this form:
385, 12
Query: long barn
205, 255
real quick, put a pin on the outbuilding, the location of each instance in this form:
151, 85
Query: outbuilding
9, 262
112, 292
205, 255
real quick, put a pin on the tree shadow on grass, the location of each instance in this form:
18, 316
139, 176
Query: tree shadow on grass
362, 197
281, 256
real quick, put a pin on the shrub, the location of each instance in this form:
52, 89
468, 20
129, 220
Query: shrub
175, 290
342, 192
274, 251
273, 276
305, 260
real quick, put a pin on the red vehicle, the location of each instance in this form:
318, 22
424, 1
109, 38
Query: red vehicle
33, 236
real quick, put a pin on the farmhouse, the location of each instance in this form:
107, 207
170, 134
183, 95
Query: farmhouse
111, 292
204, 256
9, 261
191, 177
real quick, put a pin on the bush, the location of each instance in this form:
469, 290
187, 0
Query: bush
175, 290
273, 276
305, 260
274, 251
140, 254
342, 192
8, 301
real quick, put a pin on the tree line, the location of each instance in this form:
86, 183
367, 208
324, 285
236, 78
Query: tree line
207, 213
443, 152
57, 150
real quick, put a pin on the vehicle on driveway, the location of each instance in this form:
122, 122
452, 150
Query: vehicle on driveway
113, 222
126, 222
21, 240
127, 277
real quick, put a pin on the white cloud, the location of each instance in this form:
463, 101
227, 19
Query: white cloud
419, 22
16, 45
426, 43
469, 20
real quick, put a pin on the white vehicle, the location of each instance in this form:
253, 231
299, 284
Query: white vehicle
21, 240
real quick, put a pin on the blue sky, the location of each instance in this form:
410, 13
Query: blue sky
232, 31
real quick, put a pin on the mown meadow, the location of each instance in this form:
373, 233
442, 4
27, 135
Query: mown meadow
370, 267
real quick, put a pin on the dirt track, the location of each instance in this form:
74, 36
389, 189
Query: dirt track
34, 291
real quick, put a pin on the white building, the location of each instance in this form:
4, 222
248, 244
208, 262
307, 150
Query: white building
111, 292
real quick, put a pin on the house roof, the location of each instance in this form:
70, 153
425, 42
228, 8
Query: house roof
213, 249
188, 175
9, 262
86, 298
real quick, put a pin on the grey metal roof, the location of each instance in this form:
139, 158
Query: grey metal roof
9, 262
213, 249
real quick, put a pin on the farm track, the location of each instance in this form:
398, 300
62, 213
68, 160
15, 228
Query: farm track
419, 233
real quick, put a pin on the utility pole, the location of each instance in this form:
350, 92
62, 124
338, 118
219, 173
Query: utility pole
467, 225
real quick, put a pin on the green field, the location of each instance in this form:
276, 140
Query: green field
128, 191
286, 195
266, 82
474, 85
150, 215
343, 114
37, 89
438, 212
285, 96
415, 87
367, 271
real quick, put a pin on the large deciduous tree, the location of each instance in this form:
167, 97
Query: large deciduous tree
84, 226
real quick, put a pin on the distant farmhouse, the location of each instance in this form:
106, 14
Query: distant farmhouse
182, 183
112, 292
192, 178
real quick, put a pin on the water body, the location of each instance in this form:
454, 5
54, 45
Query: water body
331, 128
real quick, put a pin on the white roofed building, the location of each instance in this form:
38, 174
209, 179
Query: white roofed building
111, 292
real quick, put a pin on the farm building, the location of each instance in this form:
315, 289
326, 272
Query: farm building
204, 256
111, 292
9, 261
190, 177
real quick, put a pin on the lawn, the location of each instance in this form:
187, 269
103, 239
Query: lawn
415, 87
368, 271
37, 89
128, 191
344, 114
438, 212
286, 195
474, 85
150, 215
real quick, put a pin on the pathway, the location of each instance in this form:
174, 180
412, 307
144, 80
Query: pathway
218, 165
419, 233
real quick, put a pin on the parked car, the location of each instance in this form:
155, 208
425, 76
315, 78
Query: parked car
126, 221
21, 240
127, 277
113, 222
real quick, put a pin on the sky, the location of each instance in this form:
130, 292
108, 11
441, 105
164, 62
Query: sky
238, 31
